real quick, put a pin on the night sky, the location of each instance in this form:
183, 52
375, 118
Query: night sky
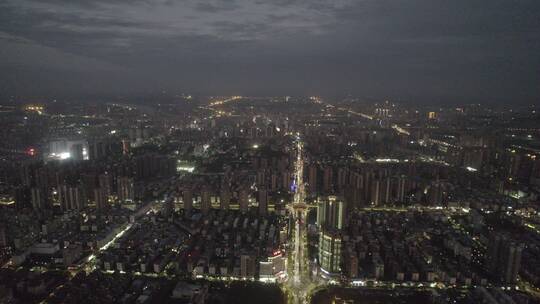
436, 51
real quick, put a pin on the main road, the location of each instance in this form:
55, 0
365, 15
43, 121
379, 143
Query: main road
298, 281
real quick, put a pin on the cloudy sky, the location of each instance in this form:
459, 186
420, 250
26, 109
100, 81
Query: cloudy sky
416, 50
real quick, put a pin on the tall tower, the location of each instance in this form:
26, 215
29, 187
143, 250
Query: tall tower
330, 219
330, 251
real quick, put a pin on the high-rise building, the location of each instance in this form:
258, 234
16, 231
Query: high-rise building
3, 236
25, 173
224, 198
70, 197
274, 182
285, 180
535, 172
330, 219
105, 182
261, 178
342, 178
187, 198
375, 192
263, 202
22, 197
504, 258
37, 198
400, 195
312, 179
88, 182
206, 203
125, 146
330, 212
265, 269
328, 179
101, 148
77, 152
100, 198
125, 189
351, 264
247, 266
41, 177
434, 193
168, 207
386, 190
243, 201
77, 198
330, 251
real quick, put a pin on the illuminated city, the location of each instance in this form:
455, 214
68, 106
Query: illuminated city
269, 152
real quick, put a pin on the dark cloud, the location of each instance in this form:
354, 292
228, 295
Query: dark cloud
216, 6
428, 50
